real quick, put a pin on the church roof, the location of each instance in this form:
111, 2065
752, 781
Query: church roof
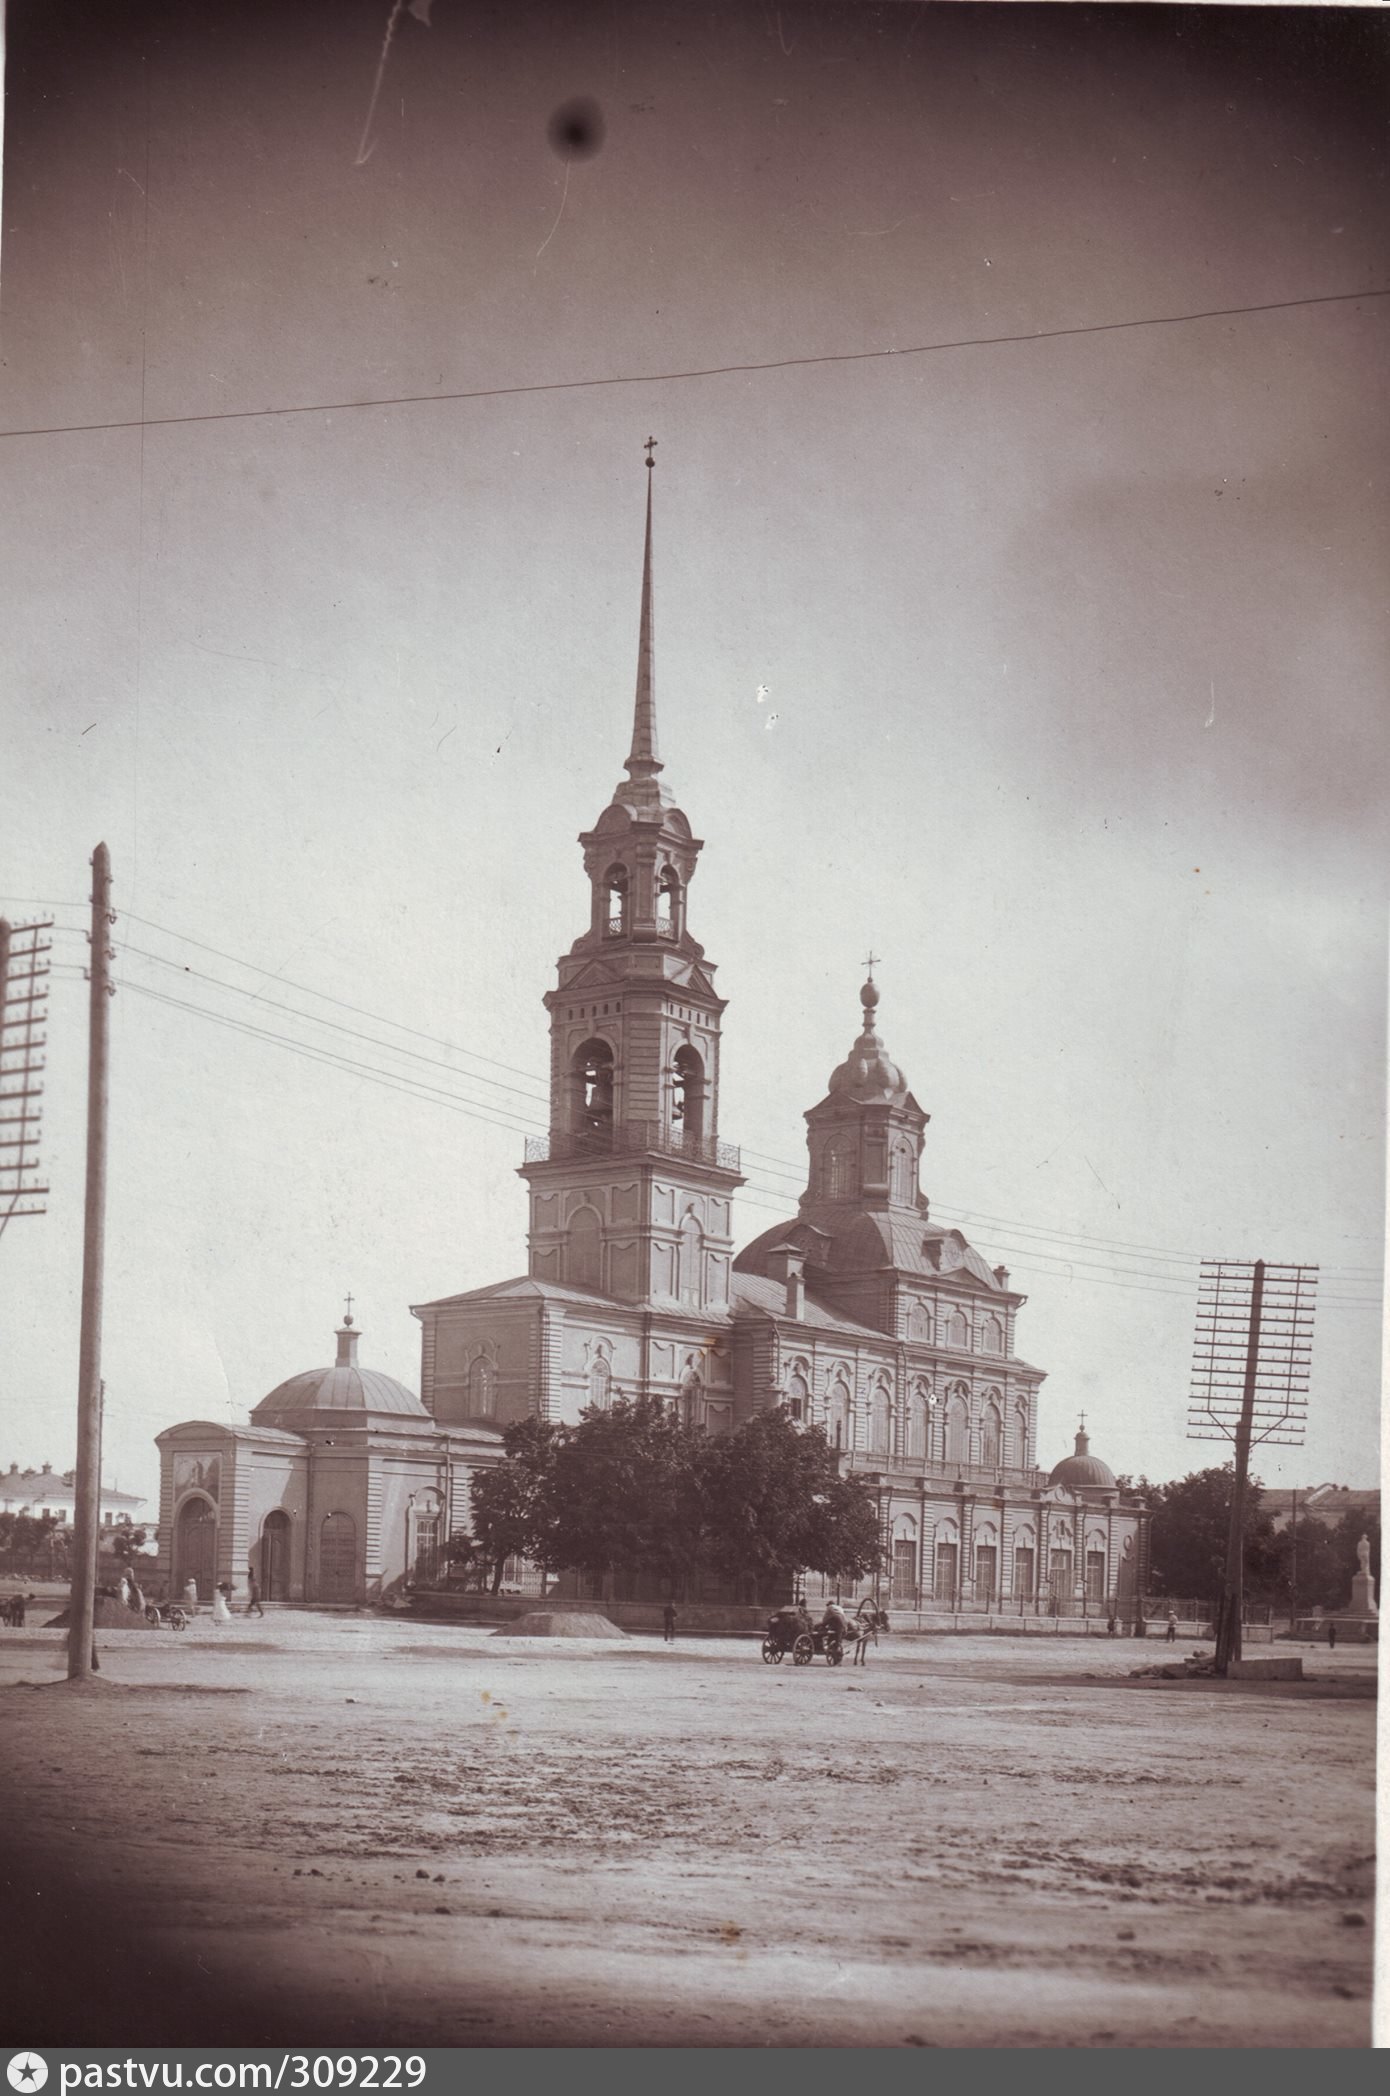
345, 1387
760, 1293
524, 1288
854, 1239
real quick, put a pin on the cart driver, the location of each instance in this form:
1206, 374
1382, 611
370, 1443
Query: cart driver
837, 1621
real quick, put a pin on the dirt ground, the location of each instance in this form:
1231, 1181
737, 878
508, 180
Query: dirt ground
345, 1829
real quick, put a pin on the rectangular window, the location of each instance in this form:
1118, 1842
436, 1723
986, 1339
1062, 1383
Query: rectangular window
946, 1571
904, 1570
986, 1573
1060, 1570
1095, 1575
1023, 1574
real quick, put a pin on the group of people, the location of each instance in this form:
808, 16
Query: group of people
222, 1598
12, 1610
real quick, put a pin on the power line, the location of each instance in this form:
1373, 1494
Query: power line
663, 378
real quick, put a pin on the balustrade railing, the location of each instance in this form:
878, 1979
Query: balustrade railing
631, 1139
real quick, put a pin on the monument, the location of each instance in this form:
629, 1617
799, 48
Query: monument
1362, 1606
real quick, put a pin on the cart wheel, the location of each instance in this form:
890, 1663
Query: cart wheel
177, 1619
771, 1653
803, 1651
152, 1615
834, 1652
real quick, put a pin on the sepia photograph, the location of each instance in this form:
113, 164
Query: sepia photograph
693, 955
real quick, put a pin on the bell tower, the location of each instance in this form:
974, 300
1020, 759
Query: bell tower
631, 1189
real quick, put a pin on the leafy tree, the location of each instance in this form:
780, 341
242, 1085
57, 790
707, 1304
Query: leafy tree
776, 1504
510, 1507
623, 1493
1191, 1522
126, 1542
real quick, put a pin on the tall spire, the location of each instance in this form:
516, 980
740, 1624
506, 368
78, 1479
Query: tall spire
643, 761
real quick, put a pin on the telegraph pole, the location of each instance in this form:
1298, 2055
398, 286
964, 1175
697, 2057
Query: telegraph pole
1254, 1335
87, 1507
1233, 1589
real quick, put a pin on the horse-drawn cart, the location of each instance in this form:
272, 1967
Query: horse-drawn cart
791, 1631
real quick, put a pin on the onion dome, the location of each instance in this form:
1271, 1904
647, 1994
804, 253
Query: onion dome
869, 1073
342, 1388
1082, 1471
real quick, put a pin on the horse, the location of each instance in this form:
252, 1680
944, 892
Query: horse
869, 1619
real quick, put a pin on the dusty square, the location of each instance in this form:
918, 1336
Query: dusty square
355, 1830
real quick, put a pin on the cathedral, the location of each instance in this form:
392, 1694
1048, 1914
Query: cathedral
859, 1314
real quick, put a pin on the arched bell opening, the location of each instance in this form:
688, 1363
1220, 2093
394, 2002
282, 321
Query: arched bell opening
615, 902
668, 904
688, 1098
591, 1095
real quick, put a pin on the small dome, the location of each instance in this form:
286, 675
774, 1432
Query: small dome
1082, 1470
342, 1388
869, 1071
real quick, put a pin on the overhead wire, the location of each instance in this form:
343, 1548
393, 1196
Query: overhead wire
662, 378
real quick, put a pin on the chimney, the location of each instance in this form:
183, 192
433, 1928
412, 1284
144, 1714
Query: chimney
787, 1263
1001, 1275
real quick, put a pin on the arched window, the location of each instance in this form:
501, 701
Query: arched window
957, 1427
798, 1397
837, 1415
482, 1388
881, 1419
919, 1322
692, 1259
591, 1095
991, 1435
991, 1336
688, 1098
902, 1173
957, 1332
1021, 1430
917, 1416
600, 1380
615, 894
584, 1256
668, 904
839, 1167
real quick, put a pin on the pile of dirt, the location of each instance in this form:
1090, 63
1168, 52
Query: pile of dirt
560, 1623
108, 1615
1198, 1664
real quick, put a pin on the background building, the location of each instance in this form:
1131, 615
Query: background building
48, 1491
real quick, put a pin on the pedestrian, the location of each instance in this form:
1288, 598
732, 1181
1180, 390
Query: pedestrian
253, 1593
1331, 1637
221, 1597
1172, 1630
1111, 1627
668, 1619
17, 1607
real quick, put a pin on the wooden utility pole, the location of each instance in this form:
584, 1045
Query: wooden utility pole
87, 1508
1233, 1592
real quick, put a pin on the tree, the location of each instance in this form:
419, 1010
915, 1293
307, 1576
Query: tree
776, 1504
624, 1493
510, 1510
1188, 1539
126, 1542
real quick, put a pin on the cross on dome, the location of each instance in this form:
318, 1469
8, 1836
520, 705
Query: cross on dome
347, 1314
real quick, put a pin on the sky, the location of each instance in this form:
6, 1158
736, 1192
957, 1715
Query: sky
1051, 669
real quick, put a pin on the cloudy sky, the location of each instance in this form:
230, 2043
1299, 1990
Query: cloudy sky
1051, 667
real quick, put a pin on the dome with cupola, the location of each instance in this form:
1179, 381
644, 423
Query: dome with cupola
1081, 1471
869, 1072
345, 1387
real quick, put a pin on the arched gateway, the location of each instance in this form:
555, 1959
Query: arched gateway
195, 1546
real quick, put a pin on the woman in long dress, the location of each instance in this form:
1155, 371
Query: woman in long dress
220, 1611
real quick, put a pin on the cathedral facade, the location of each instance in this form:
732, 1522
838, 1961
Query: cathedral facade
859, 1314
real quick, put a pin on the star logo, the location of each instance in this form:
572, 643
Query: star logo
27, 2071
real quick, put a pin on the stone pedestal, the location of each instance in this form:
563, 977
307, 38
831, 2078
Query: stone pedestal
1363, 1598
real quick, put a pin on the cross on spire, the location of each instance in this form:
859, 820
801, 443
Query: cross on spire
347, 1313
872, 961
651, 447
